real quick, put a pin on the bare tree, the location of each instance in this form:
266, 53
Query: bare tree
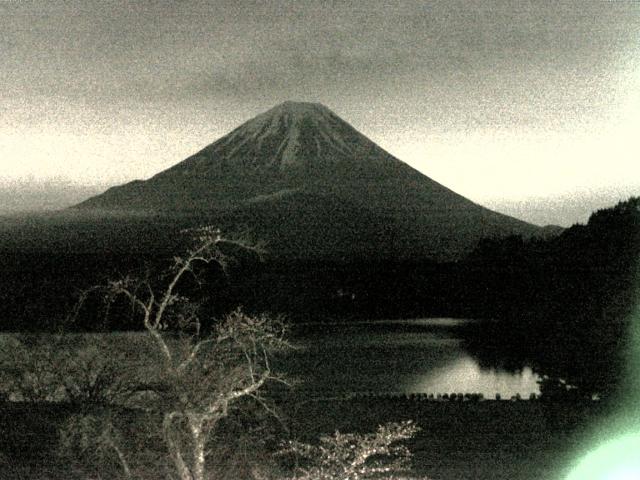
184, 379
27, 368
201, 373
93, 439
59, 368
352, 456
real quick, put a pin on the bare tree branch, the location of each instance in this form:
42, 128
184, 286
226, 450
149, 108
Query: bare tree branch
204, 373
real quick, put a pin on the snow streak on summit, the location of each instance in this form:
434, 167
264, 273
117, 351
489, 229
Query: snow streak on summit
299, 165
291, 137
292, 132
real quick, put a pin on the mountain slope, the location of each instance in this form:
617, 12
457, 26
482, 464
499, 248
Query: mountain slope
294, 166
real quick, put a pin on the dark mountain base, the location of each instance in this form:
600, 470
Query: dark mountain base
49, 259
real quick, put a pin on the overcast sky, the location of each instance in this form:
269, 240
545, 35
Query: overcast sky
532, 108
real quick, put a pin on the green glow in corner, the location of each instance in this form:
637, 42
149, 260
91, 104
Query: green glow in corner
618, 459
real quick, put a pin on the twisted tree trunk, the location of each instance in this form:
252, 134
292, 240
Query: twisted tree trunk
199, 435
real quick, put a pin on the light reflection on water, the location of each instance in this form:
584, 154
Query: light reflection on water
398, 357
465, 375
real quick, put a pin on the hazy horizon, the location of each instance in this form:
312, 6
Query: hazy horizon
30, 196
530, 108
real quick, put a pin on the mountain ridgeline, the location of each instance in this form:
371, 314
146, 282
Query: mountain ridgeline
311, 186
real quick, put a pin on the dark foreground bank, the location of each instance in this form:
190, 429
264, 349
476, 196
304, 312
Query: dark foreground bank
490, 440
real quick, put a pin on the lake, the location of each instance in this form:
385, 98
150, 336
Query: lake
398, 356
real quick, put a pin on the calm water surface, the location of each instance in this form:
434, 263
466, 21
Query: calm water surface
404, 356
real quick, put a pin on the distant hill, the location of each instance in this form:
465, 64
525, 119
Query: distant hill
310, 185
567, 305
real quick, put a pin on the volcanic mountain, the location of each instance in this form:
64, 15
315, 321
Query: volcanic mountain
310, 185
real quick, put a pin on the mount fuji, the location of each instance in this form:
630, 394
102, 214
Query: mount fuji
311, 185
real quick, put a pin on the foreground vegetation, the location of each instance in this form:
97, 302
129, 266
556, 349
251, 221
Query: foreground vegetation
480, 441
165, 398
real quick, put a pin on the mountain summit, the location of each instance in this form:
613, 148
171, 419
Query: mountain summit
307, 181
294, 140
292, 137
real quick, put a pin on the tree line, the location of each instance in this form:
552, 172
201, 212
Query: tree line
565, 304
